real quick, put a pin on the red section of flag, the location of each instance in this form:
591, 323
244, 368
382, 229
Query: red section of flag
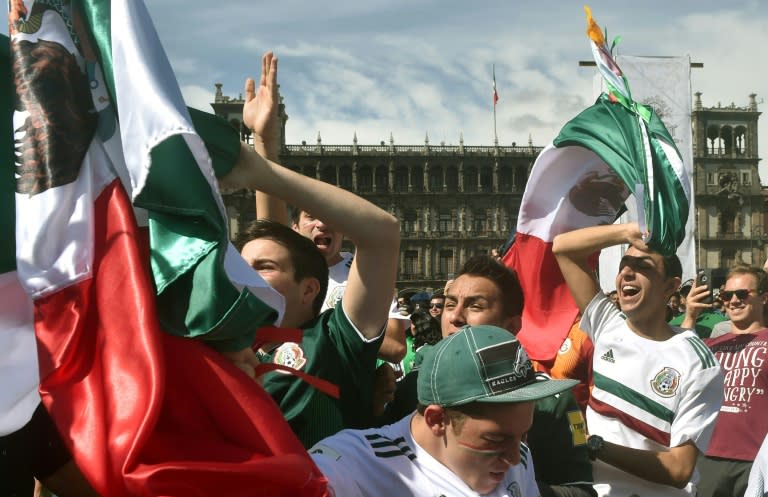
549, 310
145, 413
495, 93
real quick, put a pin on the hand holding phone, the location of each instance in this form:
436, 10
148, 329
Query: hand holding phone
701, 280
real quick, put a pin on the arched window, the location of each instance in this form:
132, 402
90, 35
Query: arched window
740, 140
715, 143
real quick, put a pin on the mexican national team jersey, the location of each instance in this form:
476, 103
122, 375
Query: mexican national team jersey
648, 395
384, 462
338, 274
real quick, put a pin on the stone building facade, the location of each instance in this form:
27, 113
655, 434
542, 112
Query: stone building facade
730, 202
454, 201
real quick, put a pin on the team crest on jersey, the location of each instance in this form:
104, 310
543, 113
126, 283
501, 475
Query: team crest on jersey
514, 490
290, 354
334, 296
665, 382
565, 347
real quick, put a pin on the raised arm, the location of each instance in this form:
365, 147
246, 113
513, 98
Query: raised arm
375, 233
573, 250
260, 115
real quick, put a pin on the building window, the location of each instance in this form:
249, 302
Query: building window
740, 134
382, 179
435, 179
727, 258
364, 180
486, 180
470, 179
746, 178
328, 174
480, 221
446, 262
401, 179
411, 262
521, 177
712, 178
506, 180
417, 179
452, 179
345, 177
409, 221
444, 222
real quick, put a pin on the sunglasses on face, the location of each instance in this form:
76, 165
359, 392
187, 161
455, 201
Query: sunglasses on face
435, 306
740, 294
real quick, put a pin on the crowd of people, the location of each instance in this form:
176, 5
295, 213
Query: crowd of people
436, 396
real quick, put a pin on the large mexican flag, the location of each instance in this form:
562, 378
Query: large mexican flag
123, 270
612, 149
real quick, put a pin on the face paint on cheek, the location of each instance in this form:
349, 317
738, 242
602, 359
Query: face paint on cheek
479, 451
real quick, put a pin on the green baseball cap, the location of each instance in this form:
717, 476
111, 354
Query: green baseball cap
482, 364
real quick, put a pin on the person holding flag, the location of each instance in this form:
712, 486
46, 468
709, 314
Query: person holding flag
657, 389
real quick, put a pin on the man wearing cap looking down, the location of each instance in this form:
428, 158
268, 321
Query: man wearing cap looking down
476, 397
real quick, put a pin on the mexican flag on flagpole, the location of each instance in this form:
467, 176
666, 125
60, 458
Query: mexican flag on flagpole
614, 148
103, 144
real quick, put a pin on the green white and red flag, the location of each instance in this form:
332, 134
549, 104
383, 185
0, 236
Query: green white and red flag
612, 149
121, 256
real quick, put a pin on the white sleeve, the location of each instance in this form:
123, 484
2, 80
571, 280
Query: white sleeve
598, 316
758, 476
525, 477
340, 471
698, 409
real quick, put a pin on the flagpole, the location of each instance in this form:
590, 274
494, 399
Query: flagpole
495, 99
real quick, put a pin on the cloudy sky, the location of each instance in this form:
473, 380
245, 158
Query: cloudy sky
421, 67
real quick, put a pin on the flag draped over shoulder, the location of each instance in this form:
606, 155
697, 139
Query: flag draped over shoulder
103, 144
612, 149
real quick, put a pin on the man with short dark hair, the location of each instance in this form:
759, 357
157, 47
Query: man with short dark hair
339, 345
485, 292
657, 390
476, 396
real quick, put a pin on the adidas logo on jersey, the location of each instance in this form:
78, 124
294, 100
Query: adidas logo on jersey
608, 356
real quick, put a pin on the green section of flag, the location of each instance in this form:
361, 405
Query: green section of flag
7, 181
188, 235
613, 132
188, 245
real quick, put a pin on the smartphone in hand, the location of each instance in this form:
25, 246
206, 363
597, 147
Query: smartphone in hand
703, 279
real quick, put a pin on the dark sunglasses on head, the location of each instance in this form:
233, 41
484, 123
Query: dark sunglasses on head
435, 306
740, 294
